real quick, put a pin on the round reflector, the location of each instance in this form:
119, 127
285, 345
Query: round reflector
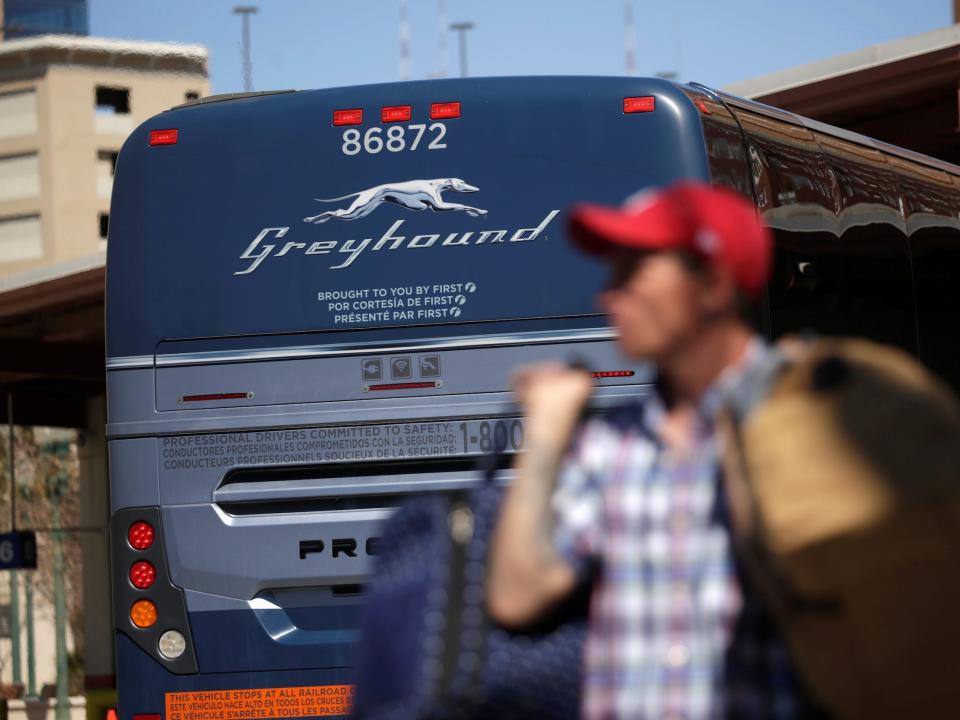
143, 614
143, 574
140, 535
172, 644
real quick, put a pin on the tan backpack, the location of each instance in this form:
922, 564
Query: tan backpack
844, 486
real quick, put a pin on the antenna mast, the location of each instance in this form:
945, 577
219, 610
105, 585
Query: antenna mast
404, 42
245, 11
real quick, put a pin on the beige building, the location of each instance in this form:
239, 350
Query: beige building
66, 106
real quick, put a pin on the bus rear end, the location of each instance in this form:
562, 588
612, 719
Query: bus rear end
314, 303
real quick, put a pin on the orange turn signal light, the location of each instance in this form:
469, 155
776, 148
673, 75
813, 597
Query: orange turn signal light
143, 614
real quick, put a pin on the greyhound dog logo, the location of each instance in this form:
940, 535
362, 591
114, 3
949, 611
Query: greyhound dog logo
413, 195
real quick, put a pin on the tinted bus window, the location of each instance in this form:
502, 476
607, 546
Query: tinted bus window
841, 265
932, 202
878, 300
725, 145
794, 196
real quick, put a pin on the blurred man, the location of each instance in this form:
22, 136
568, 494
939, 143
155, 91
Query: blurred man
674, 632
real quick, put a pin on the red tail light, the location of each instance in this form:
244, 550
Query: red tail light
140, 535
444, 111
612, 374
348, 117
143, 574
639, 104
164, 137
397, 113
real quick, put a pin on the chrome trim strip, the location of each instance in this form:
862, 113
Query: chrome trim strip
130, 362
367, 348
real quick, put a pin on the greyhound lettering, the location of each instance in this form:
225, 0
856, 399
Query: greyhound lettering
273, 242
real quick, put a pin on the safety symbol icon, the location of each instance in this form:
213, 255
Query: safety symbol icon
400, 368
372, 369
429, 366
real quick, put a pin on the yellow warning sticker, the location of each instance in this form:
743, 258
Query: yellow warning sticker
271, 703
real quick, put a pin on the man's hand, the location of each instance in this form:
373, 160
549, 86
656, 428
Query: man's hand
552, 396
527, 576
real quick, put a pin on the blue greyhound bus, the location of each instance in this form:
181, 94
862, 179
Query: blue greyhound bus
315, 299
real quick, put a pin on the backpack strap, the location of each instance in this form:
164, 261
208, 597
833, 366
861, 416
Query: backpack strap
746, 518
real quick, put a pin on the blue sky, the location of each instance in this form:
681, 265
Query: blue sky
324, 43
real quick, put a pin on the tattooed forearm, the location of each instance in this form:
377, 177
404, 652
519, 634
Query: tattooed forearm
527, 574
537, 479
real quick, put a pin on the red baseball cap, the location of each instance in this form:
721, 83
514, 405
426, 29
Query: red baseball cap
712, 222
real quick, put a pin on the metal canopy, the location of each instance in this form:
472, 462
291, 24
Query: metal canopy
51, 342
905, 92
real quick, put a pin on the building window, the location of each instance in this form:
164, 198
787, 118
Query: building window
104, 225
191, 95
113, 115
20, 239
107, 159
113, 101
18, 114
19, 177
106, 168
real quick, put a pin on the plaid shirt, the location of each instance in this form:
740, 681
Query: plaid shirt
673, 632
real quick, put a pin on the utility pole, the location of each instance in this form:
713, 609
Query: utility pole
630, 38
462, 28
31, 640
56, 488
442, 26
14, 577
60, 616
245, 11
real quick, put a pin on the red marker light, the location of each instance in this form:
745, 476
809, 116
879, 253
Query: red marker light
703, 106
444, 111
403, 386
348, 117
397, 113
612, 374
164, 137
217, 396
639, 104
143, 574
140, 535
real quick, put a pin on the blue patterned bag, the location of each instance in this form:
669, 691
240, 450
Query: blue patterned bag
428, 649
